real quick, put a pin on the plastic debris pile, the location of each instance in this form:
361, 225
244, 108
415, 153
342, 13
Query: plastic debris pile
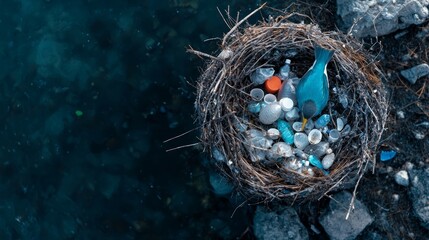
281, 139
251, 125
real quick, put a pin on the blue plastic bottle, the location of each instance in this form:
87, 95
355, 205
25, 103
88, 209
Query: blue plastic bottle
285, 131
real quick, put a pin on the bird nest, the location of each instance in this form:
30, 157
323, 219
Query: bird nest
223, 94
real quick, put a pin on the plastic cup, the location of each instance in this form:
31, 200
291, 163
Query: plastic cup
334, 135
297, 126
257, 94
270, 98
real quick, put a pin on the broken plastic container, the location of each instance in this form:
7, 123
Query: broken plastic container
259, 76
287, 91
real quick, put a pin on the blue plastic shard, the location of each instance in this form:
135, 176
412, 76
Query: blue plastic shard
317, 163
387, 155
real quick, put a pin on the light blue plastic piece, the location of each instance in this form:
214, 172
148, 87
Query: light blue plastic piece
317, 163
261, 74
254, 107
286, 131
387, 155
322, 121
285, 69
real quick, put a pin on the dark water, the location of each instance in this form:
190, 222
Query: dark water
89, 92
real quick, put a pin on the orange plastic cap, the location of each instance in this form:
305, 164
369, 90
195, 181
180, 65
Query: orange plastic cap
273, 84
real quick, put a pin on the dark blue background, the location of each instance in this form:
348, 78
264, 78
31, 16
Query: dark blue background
105, 174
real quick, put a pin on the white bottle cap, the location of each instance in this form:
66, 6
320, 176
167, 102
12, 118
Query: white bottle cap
287, 61
286, 104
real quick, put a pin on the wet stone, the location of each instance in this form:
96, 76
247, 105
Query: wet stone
282, 223
415, 73
419, 195
402, 178
334, 222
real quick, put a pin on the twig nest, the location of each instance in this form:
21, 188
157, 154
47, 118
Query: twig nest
291, 163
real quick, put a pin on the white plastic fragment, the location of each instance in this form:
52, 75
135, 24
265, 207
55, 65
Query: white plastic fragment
334, 135
292, 115
270, 113
402, 178
279, 150
328, 160
340, 124
286, 104
273, 133
300, 140
217, 155
297, 126
225, 54
315, 136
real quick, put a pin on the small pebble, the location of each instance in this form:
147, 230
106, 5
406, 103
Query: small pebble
400, 114
416, 72
409, 166
395, 197
402, 178
419, 135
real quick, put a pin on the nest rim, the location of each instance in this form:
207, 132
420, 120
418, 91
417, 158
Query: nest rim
223, 88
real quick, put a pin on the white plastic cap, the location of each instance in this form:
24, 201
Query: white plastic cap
286, 104
288, 61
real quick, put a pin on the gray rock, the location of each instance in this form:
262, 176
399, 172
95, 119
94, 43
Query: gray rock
402, 178
380, 17
280, 223
419, 195
416, 72
333, 220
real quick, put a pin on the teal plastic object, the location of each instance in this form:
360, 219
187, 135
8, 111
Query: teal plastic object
317, 163
322, 121
285, 131
254, 107
387, 155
